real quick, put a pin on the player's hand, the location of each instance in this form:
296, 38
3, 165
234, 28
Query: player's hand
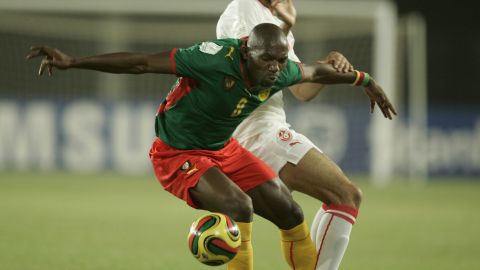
377, 96
338, 61
285, 11
52, 58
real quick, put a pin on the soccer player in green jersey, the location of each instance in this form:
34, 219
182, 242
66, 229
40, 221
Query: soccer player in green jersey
194, 157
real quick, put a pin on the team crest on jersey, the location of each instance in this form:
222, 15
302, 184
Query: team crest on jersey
284, 134
229, 83
264, 94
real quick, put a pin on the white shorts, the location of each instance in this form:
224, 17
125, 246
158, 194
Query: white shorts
278, 145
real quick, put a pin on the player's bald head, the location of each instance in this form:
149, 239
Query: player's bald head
266, 36
266, 54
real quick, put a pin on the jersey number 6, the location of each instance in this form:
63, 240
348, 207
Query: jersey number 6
239, 108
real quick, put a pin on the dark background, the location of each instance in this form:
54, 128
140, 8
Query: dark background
453, 37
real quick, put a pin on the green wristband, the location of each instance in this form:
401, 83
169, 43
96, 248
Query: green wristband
366, 79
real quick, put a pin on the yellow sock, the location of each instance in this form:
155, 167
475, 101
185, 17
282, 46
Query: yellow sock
298, 248
244, 258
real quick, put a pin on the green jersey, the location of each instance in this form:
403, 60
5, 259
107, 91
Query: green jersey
212, 95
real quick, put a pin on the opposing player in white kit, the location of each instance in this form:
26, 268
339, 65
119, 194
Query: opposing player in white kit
300, 164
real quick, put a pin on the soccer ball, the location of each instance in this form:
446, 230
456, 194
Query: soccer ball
214, 239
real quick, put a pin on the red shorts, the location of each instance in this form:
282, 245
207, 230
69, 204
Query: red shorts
179, 170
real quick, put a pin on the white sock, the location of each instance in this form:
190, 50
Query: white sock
333, 234
315, 223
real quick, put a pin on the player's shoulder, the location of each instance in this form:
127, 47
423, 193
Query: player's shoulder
219, 55
210, 49
221, 49
226, 42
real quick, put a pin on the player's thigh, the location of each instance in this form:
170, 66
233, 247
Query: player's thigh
216, 192
316, 175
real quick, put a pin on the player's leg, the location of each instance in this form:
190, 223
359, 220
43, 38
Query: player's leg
304, 168
318, 176
273, 201
215, 192
281, 148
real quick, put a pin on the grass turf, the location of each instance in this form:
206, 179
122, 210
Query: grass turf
107, 221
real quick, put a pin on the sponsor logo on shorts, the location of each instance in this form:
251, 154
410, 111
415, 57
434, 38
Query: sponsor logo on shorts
192, 170
284, 135
187, 167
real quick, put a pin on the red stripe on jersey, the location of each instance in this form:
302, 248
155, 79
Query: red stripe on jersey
181, 89
172, 60
161, 108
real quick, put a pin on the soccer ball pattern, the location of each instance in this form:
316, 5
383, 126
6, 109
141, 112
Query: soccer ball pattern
214, 239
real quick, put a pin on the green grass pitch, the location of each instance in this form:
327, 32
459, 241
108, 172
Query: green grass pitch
51, 221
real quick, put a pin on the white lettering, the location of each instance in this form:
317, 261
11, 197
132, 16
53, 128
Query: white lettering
27, 135
451, 151
84, 146
132, 135
455, 150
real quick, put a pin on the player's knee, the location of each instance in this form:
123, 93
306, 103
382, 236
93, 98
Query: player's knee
346, 193
296, 213
291, 216
357, 196
240, 208
352, 196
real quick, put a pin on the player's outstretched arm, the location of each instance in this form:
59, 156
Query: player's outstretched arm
123, 62
307, 91
326, 74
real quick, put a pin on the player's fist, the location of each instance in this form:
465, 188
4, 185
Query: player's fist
338, 61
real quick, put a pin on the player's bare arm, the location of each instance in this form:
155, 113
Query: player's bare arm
122, 62
285, 11
307, 91
326, 74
